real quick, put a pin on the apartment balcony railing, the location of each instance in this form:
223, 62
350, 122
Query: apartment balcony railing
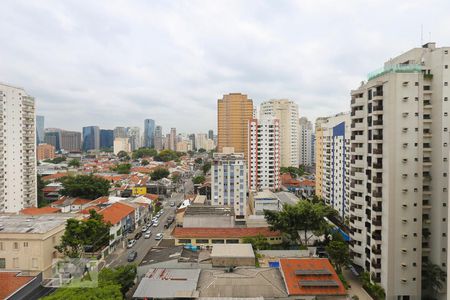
376, 250
377, 179
376, 222
377, 208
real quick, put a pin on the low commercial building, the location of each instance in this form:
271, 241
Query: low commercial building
264, 200
27, 243
45, 151
210, 236
198, 215
232, 255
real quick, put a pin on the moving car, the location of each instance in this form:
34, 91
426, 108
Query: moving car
132, 256
147, 234
138, 235
144, 229
158, 236
156, 223
131, 243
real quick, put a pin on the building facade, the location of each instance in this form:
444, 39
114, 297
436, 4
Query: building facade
173, 139
91, 138
53, 137
149, 133
399, 170
233, 113
120, 132
70, 141
106, 138
287, 112
40, 127
134, 135
211, 134
264, 157
159, 140
332, 165
305, 142
17, 149
45, 151
229, 182
121, 144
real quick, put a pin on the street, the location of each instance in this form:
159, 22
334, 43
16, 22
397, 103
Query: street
120, 255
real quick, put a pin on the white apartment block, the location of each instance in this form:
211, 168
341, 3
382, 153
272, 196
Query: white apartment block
17, 150
229, 182
305, 142
203, 142
264, 157
399, 170
287, 112
121, 144
333, 167
134, 136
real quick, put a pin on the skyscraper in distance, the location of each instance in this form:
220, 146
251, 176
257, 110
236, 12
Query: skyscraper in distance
173, 139
305, 142
211, 134
134, 136
91, 138
158, 139
120, 132
17, 150
40, 126
233, 113
149, 133
106, 138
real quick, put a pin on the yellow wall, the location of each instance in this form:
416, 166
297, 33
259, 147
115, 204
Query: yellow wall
139, 190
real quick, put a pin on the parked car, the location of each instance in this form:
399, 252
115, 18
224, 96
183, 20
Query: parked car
158, 236
172, 204
131, 243
144, 228
138, 235
155, 224
161, 212
169, 222
147, 234
132, 256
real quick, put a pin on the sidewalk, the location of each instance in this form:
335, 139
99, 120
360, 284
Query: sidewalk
355, 286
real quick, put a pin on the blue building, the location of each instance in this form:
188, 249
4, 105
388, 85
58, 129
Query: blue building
149, 133
106, 138
53, 138
40, 134
91, 138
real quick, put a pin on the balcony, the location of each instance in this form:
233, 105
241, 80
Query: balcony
377, 179
377, 166
377, 208
376, 250
377, 137
377, 108
377, 122
377, 151
376, 222
376, 236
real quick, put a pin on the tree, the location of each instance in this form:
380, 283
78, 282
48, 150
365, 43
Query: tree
258, 242
198, 179
176, 178
122, 168
206, 167
144, 152
56, 160
339, 254
122, 154
166, 155
159, 173
40, 192
74, 163
91, 235
433, 279
144, 162
293, 171
303, 216
111, 292
201, 150
84, 186
123, 276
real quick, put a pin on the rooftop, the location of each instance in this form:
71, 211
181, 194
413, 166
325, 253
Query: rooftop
162, 254
39, 211
265, 194
232, 250
168, 283
311, 276
208, 210
32, 224
116, 212
11, 282
182, 232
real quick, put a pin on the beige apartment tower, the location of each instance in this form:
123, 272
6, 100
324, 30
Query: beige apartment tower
399, 170
233, 113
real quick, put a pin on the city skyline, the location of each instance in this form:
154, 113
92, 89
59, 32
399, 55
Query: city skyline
101, 65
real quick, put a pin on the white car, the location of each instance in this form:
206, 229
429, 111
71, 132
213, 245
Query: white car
147, 234
144, 229
131, 243
156, 223
159, 236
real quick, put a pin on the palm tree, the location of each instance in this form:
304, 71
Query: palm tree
432, 280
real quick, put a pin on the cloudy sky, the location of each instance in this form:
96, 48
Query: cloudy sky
115, 63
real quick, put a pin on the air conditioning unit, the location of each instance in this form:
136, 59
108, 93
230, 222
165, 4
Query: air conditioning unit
404, 221
404, 205
403, 265
404, 175
404, 235
404, 280
404, 250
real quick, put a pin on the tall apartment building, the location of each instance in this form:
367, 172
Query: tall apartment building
120, 132
332, 162
287, 112
158, 139
233, 113
173, 139
264, 157
229, 182
17, 149
192, 139
149, 133
211, 134
106, 138
399, 151
91, 138
202, 141
121, 144
134, 135
70, 141
45, 151
305, 142
40, 129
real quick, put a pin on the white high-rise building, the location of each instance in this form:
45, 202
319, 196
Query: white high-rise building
264, 157
305, 142
121, 144
229, 182
332, 162
287, 112
17, 150
134, 135
399, 170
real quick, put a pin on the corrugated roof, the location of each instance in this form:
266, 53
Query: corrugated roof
182, 232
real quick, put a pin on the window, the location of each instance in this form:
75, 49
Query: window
34, 263
15, 245
184, 241
2, 263
202, 241
25, 244
1, 246
217, 241
232, 241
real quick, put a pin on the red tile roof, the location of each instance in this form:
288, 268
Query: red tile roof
39, 211
87, 209
152, 197
81, 201
286, 179
116, 212
307, 182
54, 176
288, 266
182, 232
50, 189
10, 282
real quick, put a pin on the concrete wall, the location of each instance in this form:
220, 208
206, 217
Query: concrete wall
232, 261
